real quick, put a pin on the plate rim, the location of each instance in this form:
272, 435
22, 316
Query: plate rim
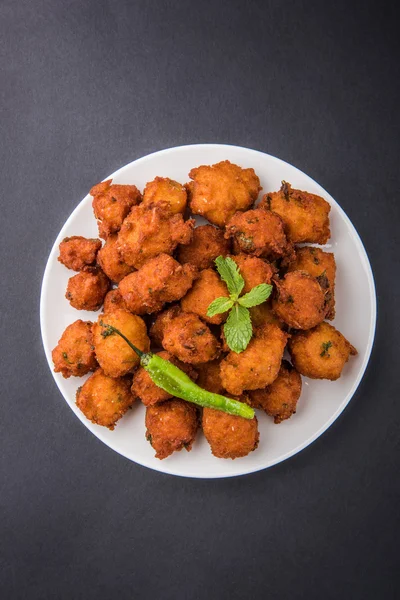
334, 416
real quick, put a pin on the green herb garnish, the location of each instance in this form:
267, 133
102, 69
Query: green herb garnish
325, 347
237, 329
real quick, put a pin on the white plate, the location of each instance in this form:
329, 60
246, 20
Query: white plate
321, 402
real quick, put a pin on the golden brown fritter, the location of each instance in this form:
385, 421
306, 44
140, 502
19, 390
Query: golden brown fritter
190, 340
114, 355
111, 204
165, 190
149, 231
260, 233
113, 301
78, 252
209, 377
218, 191
162, 319
74, 353
104, 400
253, 270
258, 365
207, 244
306, 216
86, 290
229, 436
279, 400
162, 279
171, 426
205, 290
317, 263
299, 300
147, 391
320, 353
111, 262
263, 313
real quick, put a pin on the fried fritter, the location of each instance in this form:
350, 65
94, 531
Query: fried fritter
260, 233
263, 313
279, 399
162, 279
317, 263
253, 270
165, 190
111, 262
86, 290
114, 301
300, 301
306, 216
147, 391
162, 319
205, 290
207, 244
114, 355
111, 204
74, 353
209, 377
258, 365
104, 400
171, 426
320, 353
149, 231
229, 436
218, 191
78, 252
190, 340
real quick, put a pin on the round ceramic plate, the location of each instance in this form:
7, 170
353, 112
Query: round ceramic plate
321, 402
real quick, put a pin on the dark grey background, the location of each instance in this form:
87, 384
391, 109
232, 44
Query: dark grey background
88, 86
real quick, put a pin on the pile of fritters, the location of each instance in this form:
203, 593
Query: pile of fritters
155, 278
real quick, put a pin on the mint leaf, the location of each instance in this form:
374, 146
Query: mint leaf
230, 274
238, 329
257, 295
219, 305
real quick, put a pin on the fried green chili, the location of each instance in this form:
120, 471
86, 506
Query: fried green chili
174, 381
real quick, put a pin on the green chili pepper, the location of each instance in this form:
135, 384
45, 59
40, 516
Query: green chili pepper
174, 381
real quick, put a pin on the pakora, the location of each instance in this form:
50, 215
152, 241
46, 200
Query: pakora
74, 353
162, 319
111, 262
300, 300
321, 352
229, 436
208, 242
190, 340
209, 377
113, 301
87, 289
253, 270
171, 426
207, 287
165, 190
218, 191
306, 216
104, 400
111, 204
78, 252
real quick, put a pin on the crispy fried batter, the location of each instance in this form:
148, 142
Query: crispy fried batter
317, 263
258, 365
207, 244
111, 204
74, 353
86, 290
300, 301
104, 400
260, 233
218, 191
151, 230
229, 436
279, 399
306, 216
162, 279
171, 426
147, 391
205, 290
165, 190
114, 355
190, 340
209, 377
114, 301
253, 270
263, 313
111, 262
162, 319
320, 353
78, 252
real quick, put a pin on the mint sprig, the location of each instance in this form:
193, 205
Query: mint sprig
237, 329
